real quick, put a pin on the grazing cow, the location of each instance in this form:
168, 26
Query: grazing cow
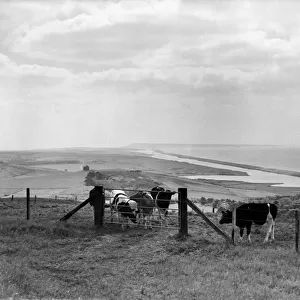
145, 207
257, 213
162, 199
111, 195
125, 207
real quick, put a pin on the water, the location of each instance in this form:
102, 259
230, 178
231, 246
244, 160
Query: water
254, 176
278, 157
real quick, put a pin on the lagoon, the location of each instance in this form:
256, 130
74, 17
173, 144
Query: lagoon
254, 176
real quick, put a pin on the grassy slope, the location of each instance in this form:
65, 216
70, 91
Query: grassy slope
43, 258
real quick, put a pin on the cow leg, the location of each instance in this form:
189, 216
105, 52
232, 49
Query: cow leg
160, 215
241, 233
273, 229
249, 233
132, 218
156, 214
122, 221
160, 218
120, 218
147, 222
150, 219
111, 214
269, 229
140, 217
166, 219
127, 222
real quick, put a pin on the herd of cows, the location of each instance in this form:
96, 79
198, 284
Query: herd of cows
140, 207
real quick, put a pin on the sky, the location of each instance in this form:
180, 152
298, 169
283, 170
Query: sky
112, 73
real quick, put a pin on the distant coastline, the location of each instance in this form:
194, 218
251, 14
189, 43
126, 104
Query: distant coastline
238, 165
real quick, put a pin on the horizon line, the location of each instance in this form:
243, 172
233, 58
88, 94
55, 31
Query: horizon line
136, 144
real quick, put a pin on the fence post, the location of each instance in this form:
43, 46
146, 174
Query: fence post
98, 205
297, 230
34, 198
183, 216
28, 203
233, 223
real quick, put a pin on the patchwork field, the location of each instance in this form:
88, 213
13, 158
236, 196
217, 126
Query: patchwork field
58, 173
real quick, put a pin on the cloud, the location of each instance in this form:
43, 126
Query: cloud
109, 47
220, 63
97, 16
4, 60
10, 68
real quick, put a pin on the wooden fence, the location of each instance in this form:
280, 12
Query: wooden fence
97, 198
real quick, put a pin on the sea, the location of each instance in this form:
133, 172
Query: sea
275, 157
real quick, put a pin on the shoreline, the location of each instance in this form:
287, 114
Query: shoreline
238, 165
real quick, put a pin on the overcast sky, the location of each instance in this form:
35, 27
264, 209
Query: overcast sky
110, 73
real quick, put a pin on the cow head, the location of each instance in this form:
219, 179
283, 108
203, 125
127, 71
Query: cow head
156, 190
226, 217
171, 192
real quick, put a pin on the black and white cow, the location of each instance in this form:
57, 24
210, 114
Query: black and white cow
162, 199
145, 207
124, 206
257, 213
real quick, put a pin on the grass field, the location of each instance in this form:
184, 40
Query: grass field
45, 259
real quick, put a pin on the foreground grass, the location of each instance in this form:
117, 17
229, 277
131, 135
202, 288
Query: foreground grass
43, 258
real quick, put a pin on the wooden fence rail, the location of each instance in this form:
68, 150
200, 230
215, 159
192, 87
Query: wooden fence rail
97, 200
208, 221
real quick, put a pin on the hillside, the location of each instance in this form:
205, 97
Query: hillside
46, 259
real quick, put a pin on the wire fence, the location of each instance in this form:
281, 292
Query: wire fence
42, 194
148, 210
63, 193
285, 229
